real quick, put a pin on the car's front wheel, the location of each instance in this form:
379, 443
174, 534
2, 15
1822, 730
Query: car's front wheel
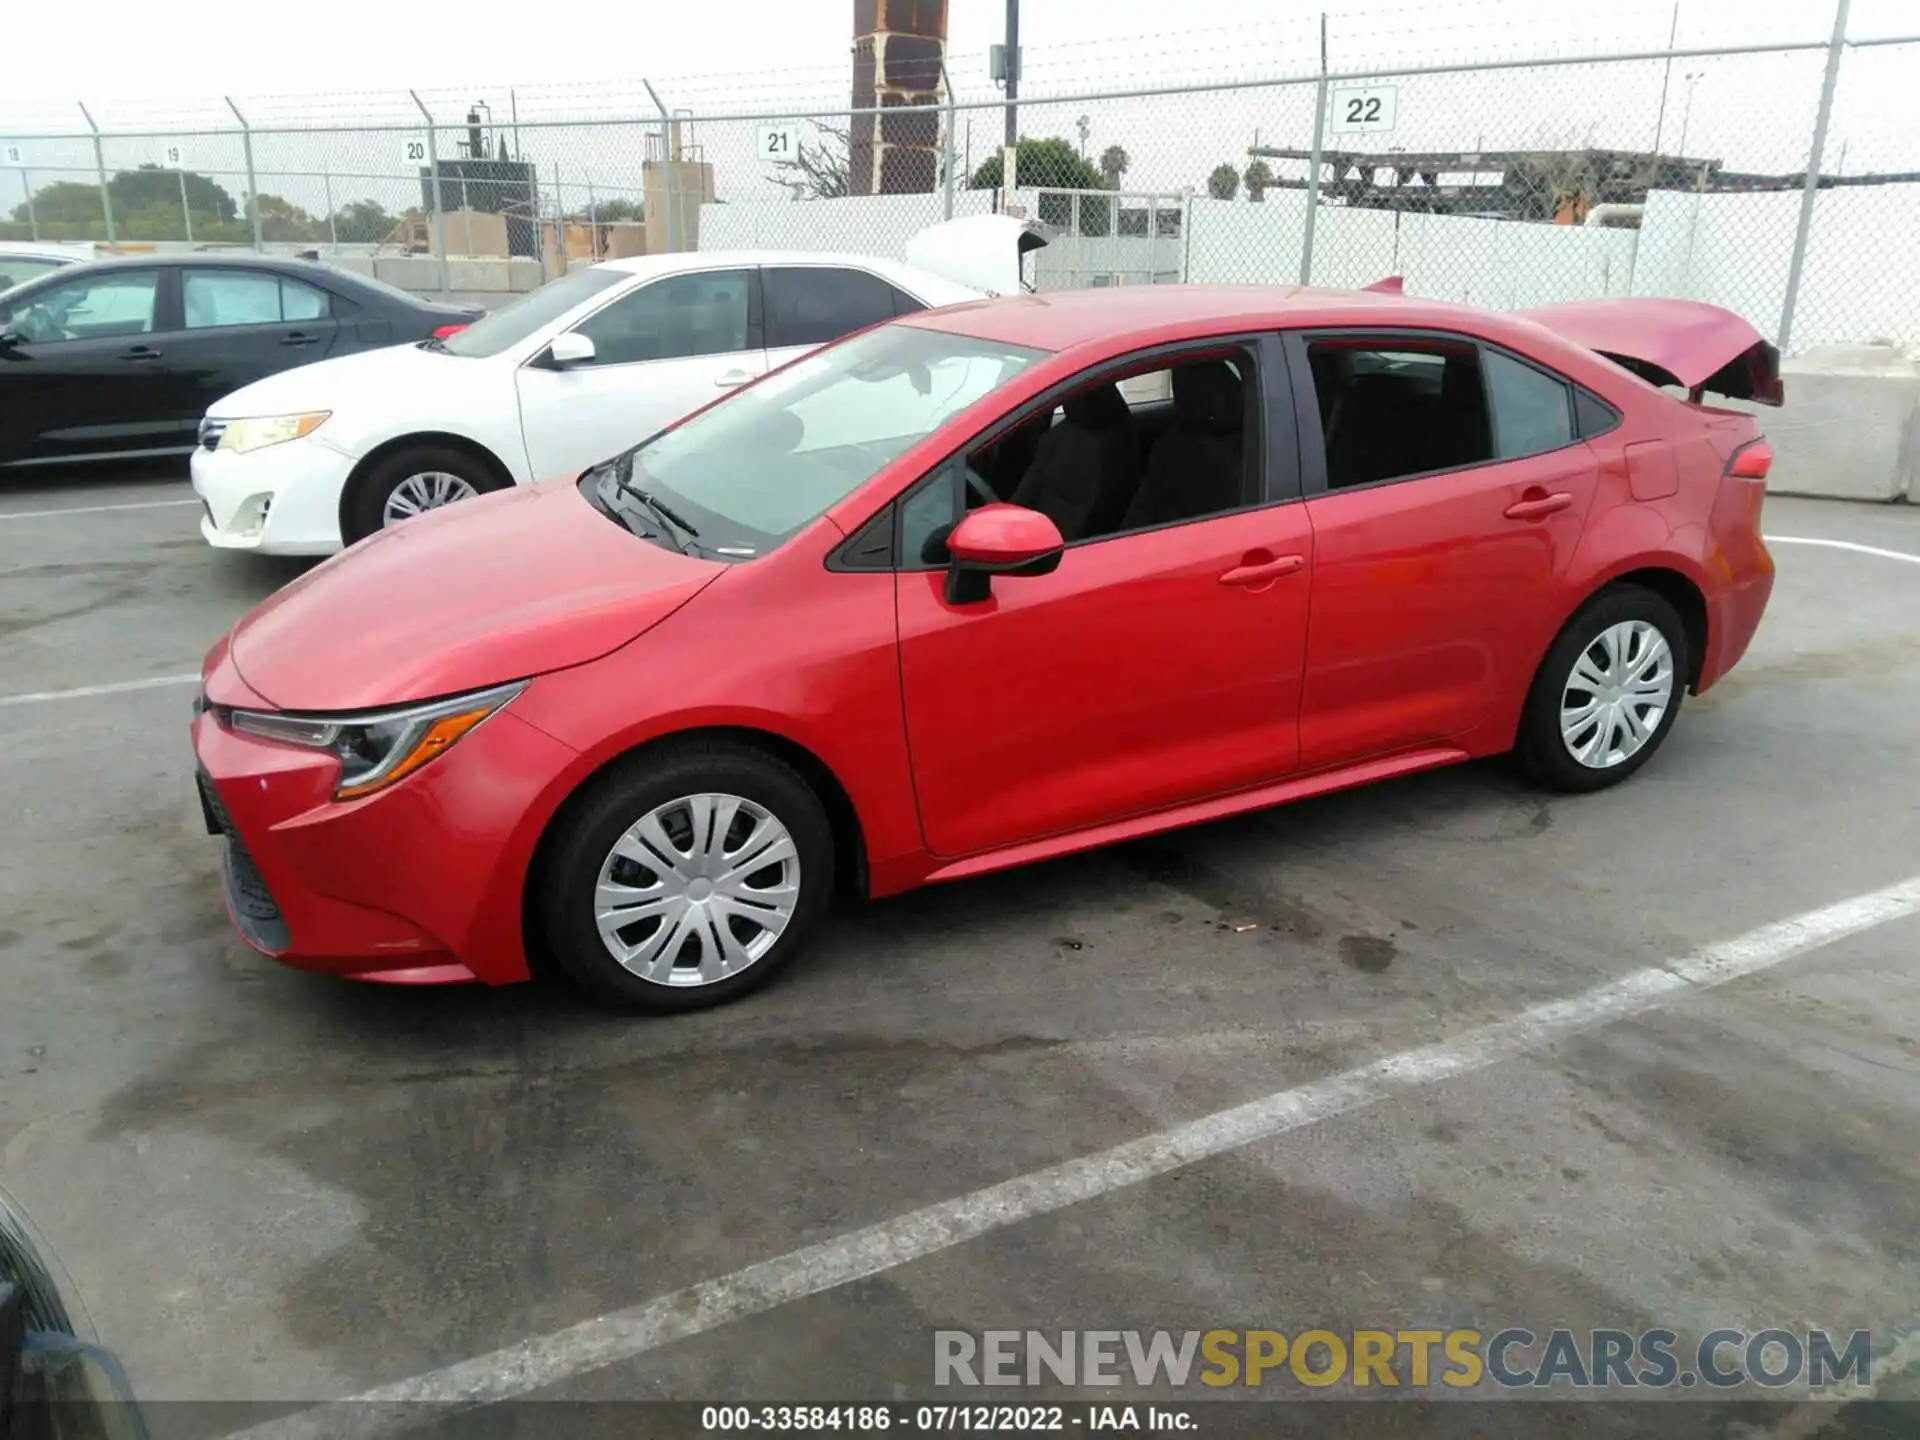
413, 480
1608, 692
687, 877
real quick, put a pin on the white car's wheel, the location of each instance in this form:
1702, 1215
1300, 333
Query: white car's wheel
411, 481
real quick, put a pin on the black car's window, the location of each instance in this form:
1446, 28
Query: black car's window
103, 305
18, 269
673, 318
1399, 408
812, 304
213, 299
504, 328
1532, 411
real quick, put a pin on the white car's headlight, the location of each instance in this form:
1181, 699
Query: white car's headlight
259, 431
379, 749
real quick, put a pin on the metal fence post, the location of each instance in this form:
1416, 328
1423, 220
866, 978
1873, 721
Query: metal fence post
1313, 164
533, 212
593, 221
253, 185
668, 162
946, 149
1811, 189
26, 188
186, 213
439, 235
100, 170
333, 226
561, 260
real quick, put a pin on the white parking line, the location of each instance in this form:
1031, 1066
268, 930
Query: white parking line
119, 687
92, 509
622, 1335
1843, 545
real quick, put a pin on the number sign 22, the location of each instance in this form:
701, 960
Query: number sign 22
1365, 107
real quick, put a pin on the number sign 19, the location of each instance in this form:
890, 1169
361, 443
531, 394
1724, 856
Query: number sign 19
173, 158
777, 144
414, 152
1365, 107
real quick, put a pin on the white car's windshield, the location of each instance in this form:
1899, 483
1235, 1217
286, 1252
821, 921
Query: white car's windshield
753, 470
495, 332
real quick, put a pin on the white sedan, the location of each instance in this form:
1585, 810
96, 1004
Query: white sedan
313, 458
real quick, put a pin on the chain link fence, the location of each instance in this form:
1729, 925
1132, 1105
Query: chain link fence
1504, 184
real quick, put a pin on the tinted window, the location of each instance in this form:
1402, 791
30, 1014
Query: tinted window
98, 306
1395, 410
813, 304
1594, 415
1531, 409
505, 328
673, 318
212, 299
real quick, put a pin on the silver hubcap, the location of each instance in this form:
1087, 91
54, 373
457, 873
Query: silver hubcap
428, 490
697, 890
1617, 695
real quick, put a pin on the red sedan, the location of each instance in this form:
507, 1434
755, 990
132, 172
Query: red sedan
977, 587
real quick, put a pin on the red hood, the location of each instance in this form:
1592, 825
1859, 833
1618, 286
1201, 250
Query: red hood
490, 590
1672, 342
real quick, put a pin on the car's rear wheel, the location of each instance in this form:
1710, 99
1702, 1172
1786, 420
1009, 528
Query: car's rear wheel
413, 480
1607, 693
687, 877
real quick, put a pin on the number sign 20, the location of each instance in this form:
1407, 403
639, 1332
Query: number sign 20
416, 153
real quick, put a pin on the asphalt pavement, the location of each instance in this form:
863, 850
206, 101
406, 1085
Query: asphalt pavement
272, 1187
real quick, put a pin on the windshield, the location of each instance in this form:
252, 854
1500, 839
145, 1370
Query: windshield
492, 333
755, 469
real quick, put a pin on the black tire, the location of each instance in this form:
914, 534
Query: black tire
1540, 746
618, 800
366, 506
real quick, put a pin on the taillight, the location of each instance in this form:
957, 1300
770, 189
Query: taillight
445, 330
1751, 461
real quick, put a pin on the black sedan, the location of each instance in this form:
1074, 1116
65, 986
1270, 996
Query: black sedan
119, 359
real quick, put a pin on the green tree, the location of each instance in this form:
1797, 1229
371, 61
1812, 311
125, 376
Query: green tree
1054, 165
363, 222
66, 210
1114, 162
151, 187
606, 212
1224, 182
1258, 179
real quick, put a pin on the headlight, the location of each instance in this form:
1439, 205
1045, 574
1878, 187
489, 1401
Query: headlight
260, 431
377, 750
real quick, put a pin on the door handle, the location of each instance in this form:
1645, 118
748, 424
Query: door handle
1264, 571
140, 352
299, 339
1537, 504
732, 378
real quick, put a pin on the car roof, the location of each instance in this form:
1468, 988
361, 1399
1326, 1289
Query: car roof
1147, 314
198, 259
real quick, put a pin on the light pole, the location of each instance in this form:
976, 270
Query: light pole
1686, 111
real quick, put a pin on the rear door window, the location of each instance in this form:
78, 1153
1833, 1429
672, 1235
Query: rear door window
816, 304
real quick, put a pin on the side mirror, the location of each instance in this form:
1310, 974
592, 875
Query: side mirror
999, 540
10, 343
569, 350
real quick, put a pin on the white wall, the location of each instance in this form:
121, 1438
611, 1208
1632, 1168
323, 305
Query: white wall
1861, 282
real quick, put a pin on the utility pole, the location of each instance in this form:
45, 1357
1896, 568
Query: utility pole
1666, 79
1013, 71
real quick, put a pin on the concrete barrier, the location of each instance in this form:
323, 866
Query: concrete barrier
1850, 428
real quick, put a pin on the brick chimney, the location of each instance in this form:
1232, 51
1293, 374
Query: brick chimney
898, 46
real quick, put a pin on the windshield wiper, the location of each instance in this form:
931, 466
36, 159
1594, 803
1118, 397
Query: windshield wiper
651, 503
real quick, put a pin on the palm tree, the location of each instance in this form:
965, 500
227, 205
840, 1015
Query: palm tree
1114, 161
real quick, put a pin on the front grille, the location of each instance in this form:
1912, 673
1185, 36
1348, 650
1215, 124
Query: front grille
210, 432
254, 909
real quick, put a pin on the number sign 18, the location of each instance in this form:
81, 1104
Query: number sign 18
777, 144
1365, 107
16, 156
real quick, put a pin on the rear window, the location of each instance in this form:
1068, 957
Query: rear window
506, 328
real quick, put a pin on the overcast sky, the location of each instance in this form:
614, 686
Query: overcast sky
349, 66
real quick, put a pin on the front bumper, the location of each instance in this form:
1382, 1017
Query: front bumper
283, 500
419, 883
